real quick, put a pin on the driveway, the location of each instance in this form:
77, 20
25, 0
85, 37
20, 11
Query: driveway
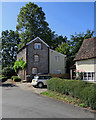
28, 86
20, 103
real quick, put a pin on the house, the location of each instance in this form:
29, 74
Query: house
86, 59
40, 59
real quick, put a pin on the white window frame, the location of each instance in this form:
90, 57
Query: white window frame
37, 46
90, 76
36, 58
57, 58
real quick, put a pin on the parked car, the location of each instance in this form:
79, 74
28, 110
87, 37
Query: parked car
40, 81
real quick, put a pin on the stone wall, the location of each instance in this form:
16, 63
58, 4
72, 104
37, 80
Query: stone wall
42, 65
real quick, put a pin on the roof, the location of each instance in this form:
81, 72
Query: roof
87, 50
36, 39
58, 53
31, 42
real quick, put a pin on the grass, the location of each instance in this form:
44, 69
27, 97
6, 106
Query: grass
65, 98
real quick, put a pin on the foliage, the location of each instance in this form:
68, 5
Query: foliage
70, 48
3, 78
82, 90
21, 64
59, 96
10, 41
32, 23
79, 75
16, 78
8, 72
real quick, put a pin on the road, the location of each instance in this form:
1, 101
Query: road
18, 103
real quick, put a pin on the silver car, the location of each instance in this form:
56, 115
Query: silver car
40, 81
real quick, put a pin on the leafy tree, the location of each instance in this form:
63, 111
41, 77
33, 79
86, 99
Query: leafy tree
10, 41
32, 23
58, 40
70, 48
21, 64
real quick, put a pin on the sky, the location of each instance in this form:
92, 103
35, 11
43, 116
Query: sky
63, 18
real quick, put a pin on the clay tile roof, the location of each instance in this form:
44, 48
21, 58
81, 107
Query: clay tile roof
87, 49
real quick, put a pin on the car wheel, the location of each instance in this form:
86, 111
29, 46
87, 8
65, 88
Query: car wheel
40, 85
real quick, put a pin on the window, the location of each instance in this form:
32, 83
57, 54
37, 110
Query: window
41, 77
89, 75
57, 58
34, 70
36, 58
47, 77
37, 46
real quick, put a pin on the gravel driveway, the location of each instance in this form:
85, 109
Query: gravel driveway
28, 86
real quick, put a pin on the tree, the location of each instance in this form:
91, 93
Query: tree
21, 64
32, 23
70, 48
10, 41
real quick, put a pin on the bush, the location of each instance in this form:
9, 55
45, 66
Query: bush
3, 78
16, 78
82, 90
8, 72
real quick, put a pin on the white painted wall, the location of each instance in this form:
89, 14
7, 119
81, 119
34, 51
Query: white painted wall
86, 65
54, 65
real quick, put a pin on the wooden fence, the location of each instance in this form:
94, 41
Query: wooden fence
66, 75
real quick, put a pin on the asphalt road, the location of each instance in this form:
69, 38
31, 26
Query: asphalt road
18, 103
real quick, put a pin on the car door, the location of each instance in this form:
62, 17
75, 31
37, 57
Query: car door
45, 79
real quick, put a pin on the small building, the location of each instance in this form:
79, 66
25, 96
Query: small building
86, 59
40, 59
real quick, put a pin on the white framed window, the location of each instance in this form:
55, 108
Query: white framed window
37, 46
34, 70
36, 58
89, 76
57, 58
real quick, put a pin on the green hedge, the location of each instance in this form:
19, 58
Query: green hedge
16, 78
8, 72
3, 78
82, 90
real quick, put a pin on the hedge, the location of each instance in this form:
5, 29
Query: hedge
16, 78
8, 72
83, 90
3, 78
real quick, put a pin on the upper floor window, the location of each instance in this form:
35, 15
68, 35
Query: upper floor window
36, 58
37, 46
57, 58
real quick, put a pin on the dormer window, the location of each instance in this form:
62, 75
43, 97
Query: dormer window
37, 46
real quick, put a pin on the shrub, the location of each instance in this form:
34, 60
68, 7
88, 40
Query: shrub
3, 78
21, 64
8, 72
79, 75
16, 78
82, 90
